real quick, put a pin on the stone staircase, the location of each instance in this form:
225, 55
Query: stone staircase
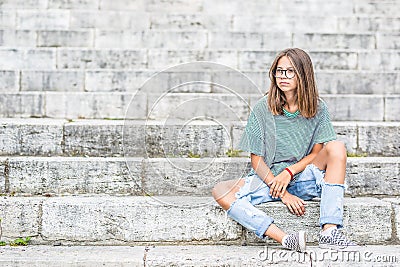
118, 117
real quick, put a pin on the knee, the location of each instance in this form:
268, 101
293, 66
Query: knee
218, 191
337, 150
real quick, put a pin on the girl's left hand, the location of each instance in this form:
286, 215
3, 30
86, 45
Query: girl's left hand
278, 185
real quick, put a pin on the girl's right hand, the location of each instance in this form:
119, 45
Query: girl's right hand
295, 204
278, 185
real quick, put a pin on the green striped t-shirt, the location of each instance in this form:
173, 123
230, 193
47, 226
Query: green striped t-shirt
288, 139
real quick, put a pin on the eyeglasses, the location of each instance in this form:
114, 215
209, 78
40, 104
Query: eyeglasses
289, 73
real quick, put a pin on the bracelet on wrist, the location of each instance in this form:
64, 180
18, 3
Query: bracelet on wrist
291, 174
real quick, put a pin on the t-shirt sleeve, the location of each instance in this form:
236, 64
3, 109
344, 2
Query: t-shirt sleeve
324, 131
252, 139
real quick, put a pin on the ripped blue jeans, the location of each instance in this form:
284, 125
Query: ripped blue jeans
310, 184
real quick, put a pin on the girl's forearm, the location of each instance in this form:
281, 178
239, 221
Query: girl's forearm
262, 170
302, 164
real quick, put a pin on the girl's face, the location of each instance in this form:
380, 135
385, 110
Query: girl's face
286, 77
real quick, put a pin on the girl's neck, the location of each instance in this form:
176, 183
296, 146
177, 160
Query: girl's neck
291, 103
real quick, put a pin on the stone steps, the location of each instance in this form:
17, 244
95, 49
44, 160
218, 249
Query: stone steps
157, 138
151, 58
101, 80
259, 14
264, 39
335, 7
219, 106
200, 255
64, 176
107, 220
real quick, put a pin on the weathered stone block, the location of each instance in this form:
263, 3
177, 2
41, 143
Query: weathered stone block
373, 176
188, 177
117, 20
314, 9
21, 105
64, 80
185, 106
31, 137
293, 23
316, 24
224, 7
168, 58
382, 61
174, 6
379, 138
73, 4
248, 40
388, 41
123, 39
63, 176
236, 39
368, 24
116, 220
102, 59
20, 217
392, 108
334, 60
27, 58
93, 105
146, 139
223, 57
332, 82
336, 41
115, 80
187, 139
366, 220
8, 18
239, 83
135, 5
190, 22
65, 38
255, 60
9, 81
176, 40
93, 138
13, 38
376, 8
154, 39
43, 19
177, 80
24, 4
355, 107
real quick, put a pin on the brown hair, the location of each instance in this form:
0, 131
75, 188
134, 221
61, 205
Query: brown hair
306, 93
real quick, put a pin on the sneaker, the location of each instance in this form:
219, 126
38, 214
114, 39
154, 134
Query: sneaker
296, 241
336, 240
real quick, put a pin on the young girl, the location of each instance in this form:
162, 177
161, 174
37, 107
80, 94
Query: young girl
294, 157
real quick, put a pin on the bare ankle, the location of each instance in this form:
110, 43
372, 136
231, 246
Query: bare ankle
326, 226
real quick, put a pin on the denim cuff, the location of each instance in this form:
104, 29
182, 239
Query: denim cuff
264, 226
331, 220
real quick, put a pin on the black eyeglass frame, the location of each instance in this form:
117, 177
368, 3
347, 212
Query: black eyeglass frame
283, 71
